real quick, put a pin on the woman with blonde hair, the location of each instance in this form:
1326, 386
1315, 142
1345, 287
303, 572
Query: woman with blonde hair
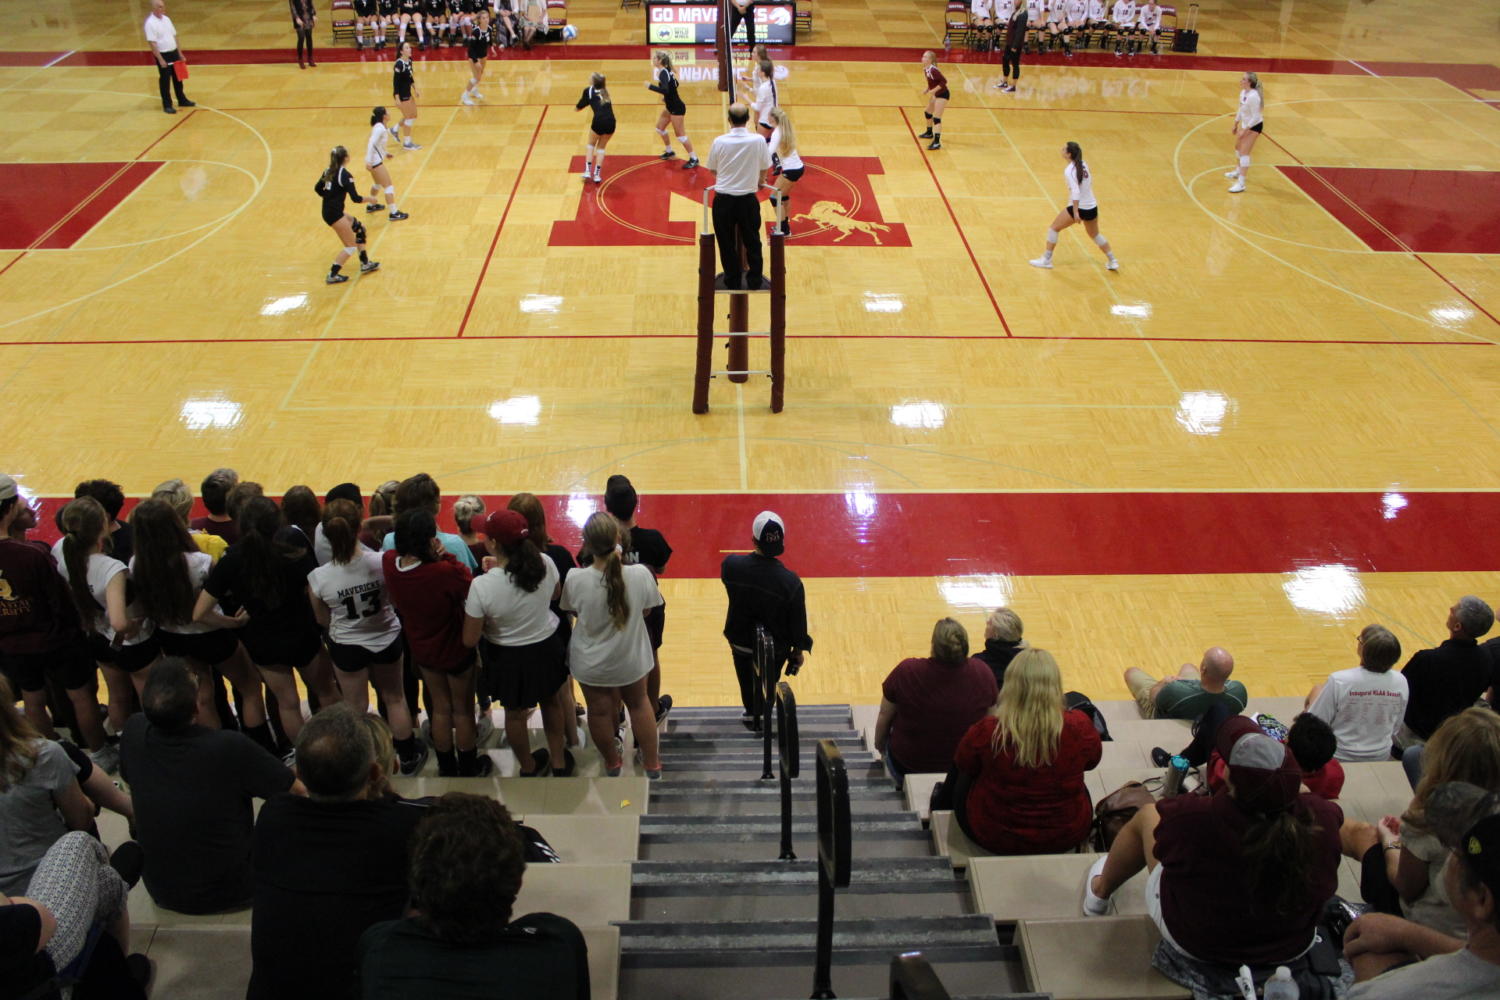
176, 494
788, 166
928, 703
465, 509
1249, 122
1401, 859
1025, 761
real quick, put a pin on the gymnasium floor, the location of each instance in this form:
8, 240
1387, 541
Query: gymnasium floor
1275, 424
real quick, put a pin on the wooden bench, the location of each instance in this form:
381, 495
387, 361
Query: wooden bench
1093, 958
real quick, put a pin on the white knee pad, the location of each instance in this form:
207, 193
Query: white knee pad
390, 191
1099, 239
408, 122
1244, 160
663, 133
590, 148
1052, 237
683, 139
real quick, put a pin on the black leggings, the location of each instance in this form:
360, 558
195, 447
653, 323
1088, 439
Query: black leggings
1375, 885
1205, 735
304, 38
1010, 63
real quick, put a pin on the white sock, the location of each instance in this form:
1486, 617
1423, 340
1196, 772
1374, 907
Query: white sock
598, 159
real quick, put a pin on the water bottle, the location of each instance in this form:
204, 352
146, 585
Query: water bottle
1171, 782
1281, 986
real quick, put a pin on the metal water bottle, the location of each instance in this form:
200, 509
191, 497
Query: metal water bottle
1171, 782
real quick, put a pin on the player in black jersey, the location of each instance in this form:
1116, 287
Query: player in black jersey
596, 96
333, 186
364, 14
404, 90
411, 16
390, 13
466, 12
479, 51
673, 109
435, 14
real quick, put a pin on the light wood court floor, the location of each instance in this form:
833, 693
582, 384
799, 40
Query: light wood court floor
1333, 328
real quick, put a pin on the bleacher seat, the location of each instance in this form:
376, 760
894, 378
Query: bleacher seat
950, 841
590, 839
588, 895
1042, 887
918, 791
1094, 958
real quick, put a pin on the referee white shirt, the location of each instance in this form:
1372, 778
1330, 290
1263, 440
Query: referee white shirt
739, 159
160, 31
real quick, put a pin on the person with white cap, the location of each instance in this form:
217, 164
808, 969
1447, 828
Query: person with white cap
763, 592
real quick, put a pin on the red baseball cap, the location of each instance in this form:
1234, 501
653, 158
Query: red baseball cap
505, 527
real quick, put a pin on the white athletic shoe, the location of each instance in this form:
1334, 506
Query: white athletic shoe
1236, 187
409, 145
598, 177
1094, 906
466, 99
478, 95
1113, 265
1231, 174
588, 174
395, 134
1045, 262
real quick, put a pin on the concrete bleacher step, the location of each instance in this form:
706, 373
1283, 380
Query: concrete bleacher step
1101, 958
671, 799
844, 738
758, 835
553, 796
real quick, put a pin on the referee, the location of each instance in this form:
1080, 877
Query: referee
739, 159
162, 37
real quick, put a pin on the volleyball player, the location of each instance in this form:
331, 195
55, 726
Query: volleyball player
1036, 22
1015, 47
1057, 25
1147, 26
1248, 124
404, 90
788, 167
364, 13
390, 13
435, 14
410, 16
672, 110
379, 172
1122, 20
464, 14
479, 50
937, 99
333, 186
1098, 20
981, 19
1078, 19
766, 98
1082, 207
596, 96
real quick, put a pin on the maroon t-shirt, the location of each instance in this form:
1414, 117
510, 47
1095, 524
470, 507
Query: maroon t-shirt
227, 530
935, 705
1206, 897
36, 609
430, 600
1030, 810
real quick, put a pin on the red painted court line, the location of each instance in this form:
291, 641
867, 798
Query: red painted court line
1467, 298
175, 126
956, 225
11, 263
495, 240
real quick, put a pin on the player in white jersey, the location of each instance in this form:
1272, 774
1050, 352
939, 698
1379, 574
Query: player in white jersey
364, 635
1036, 22
1098, 21
1147, 26
375, 157
1122, 21
1057, 25
1002, 11
767, 100
1248, 123
1082, 207
982, 20
788, 166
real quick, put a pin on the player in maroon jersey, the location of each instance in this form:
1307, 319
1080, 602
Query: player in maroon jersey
937, 99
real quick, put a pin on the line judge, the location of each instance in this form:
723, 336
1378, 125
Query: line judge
739, 159
161, 35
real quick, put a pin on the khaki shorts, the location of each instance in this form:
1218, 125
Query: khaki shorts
1140, 684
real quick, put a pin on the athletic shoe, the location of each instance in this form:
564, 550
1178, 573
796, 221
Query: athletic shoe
1231, 174
466, 99
187, 104
395, 133
373, 207
1236, 187
1113, 265
653, 775
668, 154
598, 176
1270, 725
935, 144
478, 96
927, 134
368, 266
1160, 757
411, 766
540, 761
588, 174
1043, 262
690, 164
1000, 85
408, 144
1094, 906
569, 769
663, 708
335, 279
398, 216
106, 758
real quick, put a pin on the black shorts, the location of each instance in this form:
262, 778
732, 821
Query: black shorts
281, 649
364, 8
211, 648
795, 174
69, 664
942, 95
676, 109
1085, 214
1258, 127
603, 127
656, 623
519, 677
350, 659
402, 98
127, 658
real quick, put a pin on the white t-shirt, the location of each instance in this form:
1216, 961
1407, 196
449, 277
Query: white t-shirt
1433, 908
1004, 9
600, 654
513, 617
1365, 710
161, 31
358, 612
1077, 10
100, 570
1462, 975
198, 565
375, 151
1150, 18
1123, 13
1249, 114
1080, 191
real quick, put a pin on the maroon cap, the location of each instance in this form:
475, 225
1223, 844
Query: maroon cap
505, 527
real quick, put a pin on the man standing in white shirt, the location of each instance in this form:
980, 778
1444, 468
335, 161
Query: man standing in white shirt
161, 35
739, 160
1364, 705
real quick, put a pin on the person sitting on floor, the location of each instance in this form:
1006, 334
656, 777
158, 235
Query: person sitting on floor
928, 703
1026, 761
1364, 704
1235, 878
1002, 641
467, 863
1191, 691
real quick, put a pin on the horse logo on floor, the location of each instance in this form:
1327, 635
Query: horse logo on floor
832, 215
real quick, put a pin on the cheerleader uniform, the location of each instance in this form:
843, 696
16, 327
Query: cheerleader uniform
765, 102
666, 86
129, 655
363, 629
604, 111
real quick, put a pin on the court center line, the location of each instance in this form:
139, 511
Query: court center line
175, 126
739, 405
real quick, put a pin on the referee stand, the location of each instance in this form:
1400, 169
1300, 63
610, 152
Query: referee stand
710, 287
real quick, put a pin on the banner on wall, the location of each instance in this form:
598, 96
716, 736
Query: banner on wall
694, 23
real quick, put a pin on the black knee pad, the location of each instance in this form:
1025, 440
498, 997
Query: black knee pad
937, 121
359, 231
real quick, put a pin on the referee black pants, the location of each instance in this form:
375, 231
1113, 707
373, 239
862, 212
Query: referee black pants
166, 78
735, 17
737, 225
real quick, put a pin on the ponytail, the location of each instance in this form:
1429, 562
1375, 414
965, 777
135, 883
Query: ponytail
263, 555
597, 82
665, 58
524, 565
1075, 153
601, 538
341, 521
377, 114
1280, 853
336, 157
84, 521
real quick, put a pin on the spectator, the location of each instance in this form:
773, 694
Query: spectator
40, 637
40, 799
509, 608
1235, 878
928, 703
609, 652
383, 501
1026, 759
1401, 860
1192, 691
193, 790
215, 492
387, 761
327, 866
1312, 743
1002, 641
1365, 704
300, 509
428, 586
420, 492
265, 575
343, 491
465, 510
646, 547
763, 593
25, 521
467, 864
1446, 680
242, 494
529, 507
1396, 959
175, 494
111, 499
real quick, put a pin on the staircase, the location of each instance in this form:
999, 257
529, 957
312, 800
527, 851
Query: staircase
714, 914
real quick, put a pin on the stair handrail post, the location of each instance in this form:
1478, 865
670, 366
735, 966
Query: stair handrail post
834, 849
765, 667
913, 978
788, 742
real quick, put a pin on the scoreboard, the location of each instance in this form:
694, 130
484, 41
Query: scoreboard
694, 22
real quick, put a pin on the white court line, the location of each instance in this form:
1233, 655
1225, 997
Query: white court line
1366, 69
739, 402
49, 65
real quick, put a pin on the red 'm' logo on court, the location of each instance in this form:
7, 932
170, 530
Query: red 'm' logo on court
647, 202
